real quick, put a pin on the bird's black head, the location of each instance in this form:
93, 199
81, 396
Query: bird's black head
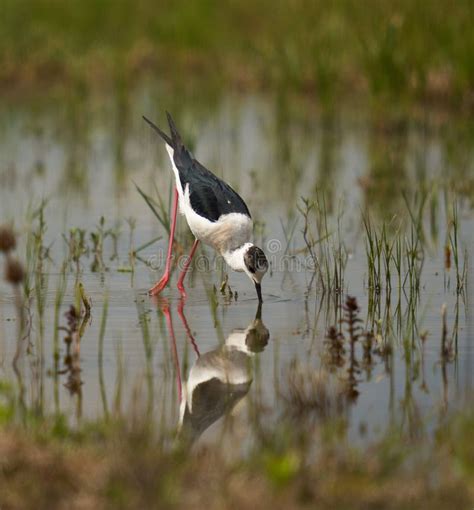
256, 265
257, 338
256, 262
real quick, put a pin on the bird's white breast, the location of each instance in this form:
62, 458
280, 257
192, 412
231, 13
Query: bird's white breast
226, 234
228, 364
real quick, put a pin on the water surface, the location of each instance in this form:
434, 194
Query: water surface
84, 156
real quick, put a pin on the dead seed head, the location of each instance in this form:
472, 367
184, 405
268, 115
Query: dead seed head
14, 272
7, 239
351, 304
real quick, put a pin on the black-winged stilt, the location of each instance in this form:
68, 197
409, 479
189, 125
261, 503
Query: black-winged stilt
215, 213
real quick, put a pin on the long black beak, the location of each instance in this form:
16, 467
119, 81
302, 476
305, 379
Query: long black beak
259, 292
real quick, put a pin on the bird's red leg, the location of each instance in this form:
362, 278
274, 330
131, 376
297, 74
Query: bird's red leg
159, 286
174, 351
186, 267
186, 327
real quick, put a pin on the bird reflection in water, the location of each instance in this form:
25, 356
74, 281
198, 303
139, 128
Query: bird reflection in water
218, 379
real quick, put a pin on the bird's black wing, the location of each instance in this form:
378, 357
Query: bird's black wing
210, 196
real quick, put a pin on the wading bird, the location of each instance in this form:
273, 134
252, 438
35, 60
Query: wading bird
215, 213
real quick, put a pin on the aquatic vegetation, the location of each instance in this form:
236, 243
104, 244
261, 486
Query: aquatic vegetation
97, 239
72, 357
157, 207
335, 340
79, 247
226, 290
349, 347
327, 252
400, 249
395, 250
14, 274
358, 390
310, 393
461, 270
447, 344
7, 239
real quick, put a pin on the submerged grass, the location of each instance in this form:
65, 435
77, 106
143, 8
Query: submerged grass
324, 246
459, 267
395, 249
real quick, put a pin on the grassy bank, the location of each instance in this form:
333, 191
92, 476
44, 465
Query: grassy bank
117, 465
405, 51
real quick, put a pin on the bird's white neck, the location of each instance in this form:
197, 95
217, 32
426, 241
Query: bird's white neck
238, 340
235, 258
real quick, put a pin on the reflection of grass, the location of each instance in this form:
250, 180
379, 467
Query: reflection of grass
397, 49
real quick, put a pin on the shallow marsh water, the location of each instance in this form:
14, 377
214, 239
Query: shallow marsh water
84, 157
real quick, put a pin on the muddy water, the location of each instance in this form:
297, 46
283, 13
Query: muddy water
84, 156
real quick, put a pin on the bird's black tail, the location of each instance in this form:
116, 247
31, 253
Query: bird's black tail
176, 137
163, 135
175, 141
